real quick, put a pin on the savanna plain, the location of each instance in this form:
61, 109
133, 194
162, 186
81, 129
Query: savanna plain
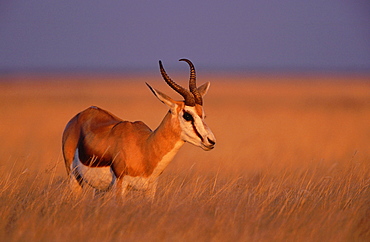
291, 163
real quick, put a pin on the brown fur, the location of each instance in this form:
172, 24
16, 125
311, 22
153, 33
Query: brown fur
130, 148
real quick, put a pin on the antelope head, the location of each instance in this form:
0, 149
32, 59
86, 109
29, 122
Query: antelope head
189, 113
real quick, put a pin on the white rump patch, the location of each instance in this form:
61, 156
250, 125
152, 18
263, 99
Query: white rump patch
101, 178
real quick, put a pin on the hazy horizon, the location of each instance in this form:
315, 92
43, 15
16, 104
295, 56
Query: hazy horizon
85, 36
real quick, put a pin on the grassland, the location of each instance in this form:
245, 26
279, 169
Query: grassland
292, 162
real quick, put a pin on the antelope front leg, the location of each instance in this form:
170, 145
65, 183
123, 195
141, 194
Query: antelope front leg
121, 188
150, 192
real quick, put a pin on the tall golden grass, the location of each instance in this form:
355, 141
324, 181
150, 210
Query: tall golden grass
291, 163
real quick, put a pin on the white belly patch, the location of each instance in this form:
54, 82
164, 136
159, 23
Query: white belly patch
101, 178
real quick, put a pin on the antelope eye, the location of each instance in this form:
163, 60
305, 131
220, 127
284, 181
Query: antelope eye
187, 116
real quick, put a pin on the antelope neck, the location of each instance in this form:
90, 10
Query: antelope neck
164, 143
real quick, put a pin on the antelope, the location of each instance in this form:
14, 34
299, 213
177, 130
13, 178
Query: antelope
104, 151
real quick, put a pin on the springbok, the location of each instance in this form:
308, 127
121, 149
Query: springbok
102, 150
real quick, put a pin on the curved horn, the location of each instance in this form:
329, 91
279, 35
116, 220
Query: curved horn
188, 96
192, 83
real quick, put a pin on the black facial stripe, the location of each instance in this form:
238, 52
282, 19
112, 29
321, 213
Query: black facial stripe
188, 117
196, 131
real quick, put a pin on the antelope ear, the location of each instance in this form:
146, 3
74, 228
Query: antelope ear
163, 97
203, 89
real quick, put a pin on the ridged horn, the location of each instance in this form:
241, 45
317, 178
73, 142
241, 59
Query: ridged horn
187, 95
192, 83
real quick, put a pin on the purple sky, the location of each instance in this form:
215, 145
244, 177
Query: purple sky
282, 35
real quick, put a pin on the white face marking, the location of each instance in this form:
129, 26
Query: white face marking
196, 131
101, 178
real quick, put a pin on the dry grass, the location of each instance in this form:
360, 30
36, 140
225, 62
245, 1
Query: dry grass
292, 163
